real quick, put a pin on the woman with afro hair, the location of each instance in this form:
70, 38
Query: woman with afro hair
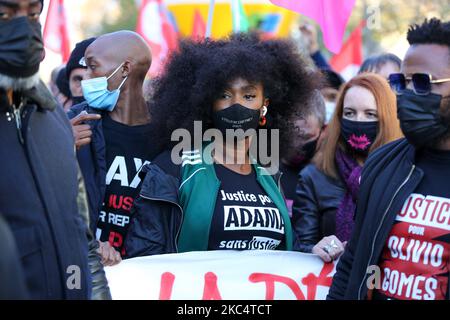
214, 195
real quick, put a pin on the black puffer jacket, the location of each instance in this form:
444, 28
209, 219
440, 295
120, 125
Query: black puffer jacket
314, 211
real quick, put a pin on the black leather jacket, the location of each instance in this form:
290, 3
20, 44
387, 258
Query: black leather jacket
156, 224
314, 210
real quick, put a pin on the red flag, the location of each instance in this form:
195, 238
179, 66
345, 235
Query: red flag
199, 26
349, 59
56, 36
154, 26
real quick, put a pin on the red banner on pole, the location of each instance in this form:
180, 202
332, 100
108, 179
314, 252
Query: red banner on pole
56, 35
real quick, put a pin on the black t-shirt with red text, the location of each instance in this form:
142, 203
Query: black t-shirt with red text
415, 261
128, 148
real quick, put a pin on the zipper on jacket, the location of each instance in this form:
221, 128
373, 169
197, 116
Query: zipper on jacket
17, 112
280, 188
279, 181
379, 227
182, 214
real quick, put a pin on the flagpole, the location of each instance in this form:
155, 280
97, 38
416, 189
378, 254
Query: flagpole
210, 18
235, 16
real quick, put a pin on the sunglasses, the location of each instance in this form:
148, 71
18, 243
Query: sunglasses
421, 82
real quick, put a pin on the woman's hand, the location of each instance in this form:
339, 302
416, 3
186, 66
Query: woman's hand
329, 248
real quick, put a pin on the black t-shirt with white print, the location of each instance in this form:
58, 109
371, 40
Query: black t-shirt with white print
244, 218
128, 148
415, 262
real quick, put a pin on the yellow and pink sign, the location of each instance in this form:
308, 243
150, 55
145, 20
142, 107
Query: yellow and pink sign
261, 14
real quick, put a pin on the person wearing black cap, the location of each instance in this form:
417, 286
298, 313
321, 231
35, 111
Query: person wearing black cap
76, 70
39, 184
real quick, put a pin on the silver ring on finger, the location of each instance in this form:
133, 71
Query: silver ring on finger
327, 249
331, 251
333, 244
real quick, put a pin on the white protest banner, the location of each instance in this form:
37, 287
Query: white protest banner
222, 275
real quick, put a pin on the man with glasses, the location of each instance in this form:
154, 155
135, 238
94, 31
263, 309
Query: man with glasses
400, 245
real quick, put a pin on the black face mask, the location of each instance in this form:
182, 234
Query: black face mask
306, 153
309, 149
236, 117
21, 47
359, 135
419, 117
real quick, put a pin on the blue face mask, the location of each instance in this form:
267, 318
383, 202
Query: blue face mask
97, 95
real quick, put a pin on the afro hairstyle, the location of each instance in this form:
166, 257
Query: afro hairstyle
198, 72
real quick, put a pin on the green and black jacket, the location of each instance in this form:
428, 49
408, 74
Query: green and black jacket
174, 209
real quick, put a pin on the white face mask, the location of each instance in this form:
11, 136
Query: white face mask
329, 110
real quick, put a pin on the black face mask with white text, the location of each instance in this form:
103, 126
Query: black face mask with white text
236, 117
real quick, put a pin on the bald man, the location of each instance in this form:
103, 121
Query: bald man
113, 134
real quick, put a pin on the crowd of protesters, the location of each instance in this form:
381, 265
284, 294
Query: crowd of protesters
97, 167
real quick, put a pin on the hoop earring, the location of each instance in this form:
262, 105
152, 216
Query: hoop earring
263, 119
